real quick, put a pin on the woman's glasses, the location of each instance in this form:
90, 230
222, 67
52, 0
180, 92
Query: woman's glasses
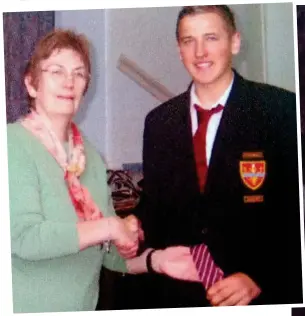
60, 73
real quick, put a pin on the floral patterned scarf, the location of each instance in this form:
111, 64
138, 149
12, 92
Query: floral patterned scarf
73, 163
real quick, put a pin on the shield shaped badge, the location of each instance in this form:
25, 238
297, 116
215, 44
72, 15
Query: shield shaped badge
253, 173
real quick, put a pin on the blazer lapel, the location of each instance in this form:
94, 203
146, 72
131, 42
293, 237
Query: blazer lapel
182, 129
228, 127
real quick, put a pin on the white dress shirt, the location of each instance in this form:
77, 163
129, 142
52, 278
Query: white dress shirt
214, 120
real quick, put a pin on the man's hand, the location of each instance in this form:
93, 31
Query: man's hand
128, 232
134, 225
176, 262
237, 289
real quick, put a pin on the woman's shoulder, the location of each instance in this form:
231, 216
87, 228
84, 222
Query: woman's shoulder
14, 129
17, 134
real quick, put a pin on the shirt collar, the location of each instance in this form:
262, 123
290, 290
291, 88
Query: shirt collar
222, 100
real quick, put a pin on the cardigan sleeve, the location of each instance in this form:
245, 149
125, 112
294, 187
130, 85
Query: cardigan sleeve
32, 236
112, 260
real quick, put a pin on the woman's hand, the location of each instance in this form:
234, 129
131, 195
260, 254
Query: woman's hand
125, 234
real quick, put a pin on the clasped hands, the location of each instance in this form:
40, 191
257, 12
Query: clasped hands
128, 233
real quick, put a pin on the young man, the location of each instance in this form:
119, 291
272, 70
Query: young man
230, 182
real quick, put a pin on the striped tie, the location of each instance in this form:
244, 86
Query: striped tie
209, 273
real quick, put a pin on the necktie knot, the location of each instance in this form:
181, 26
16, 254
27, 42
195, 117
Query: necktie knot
204, 114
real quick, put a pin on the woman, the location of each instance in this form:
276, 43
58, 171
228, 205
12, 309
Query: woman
61, 212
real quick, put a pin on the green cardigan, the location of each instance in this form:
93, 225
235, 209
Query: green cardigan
49, 272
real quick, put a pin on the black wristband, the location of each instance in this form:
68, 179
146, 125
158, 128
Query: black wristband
148, 262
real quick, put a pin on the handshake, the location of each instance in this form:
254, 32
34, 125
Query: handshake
127, 233
176, 262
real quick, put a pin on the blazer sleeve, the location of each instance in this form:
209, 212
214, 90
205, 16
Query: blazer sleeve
286, 214
149, 208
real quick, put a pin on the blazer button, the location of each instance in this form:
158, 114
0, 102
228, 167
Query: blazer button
204, 231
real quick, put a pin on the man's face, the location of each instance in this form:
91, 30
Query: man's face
206, 47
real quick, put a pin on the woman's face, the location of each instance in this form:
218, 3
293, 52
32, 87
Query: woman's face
61, 83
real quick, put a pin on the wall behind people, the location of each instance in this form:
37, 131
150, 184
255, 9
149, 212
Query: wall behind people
21, 30
279, 45
115, 118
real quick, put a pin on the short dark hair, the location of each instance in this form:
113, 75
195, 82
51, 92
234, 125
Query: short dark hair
223, 10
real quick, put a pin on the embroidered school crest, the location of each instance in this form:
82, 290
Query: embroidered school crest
253, 173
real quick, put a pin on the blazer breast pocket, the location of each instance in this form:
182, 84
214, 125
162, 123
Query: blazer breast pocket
253, 172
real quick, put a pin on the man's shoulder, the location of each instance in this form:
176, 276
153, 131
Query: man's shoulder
268, 101
168, 108
268, 91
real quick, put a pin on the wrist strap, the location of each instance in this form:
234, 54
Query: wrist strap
149, 263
